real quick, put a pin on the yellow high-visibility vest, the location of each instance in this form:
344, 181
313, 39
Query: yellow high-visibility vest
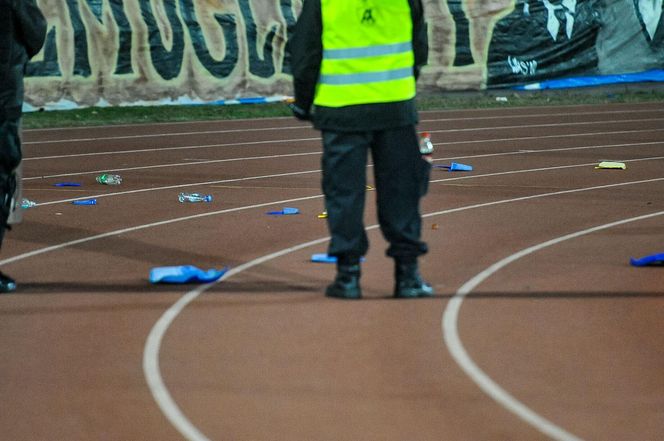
367, 53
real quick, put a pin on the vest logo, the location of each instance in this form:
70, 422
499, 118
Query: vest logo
367, 11
367, 17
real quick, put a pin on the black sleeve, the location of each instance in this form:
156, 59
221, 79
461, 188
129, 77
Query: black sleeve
306, 51
420, 35
31, 25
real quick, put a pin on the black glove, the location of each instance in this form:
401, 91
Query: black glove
299, 112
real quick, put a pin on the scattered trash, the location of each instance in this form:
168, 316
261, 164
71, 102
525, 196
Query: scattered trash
108, 179
85, 202
194, 197
27, 203
184, 274
325, 258
434, 226
323, 215
612, 165
67, 184
501, 99
455, 166
655, 259
285, 211
426, 147
369, 188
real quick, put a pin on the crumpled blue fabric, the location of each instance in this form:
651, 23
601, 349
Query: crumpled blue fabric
185, 274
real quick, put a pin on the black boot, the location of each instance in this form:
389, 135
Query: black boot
346, 284
408, 282
7, 284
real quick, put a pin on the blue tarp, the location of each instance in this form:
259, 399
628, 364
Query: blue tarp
654, 75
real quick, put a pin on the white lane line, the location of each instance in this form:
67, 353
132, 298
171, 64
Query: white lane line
187, 162
538, 115
152, 346
318, 152
319, 196
143, 190
530, 170
165, 149
153, 374
567, 135
470, 129
150, 225
308, 126
235, 144
450, 330
167, 134
280, 175
533, 126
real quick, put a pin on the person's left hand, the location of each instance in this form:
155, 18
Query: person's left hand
299, 112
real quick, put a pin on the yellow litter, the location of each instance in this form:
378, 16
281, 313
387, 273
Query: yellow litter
323, 215
612, 165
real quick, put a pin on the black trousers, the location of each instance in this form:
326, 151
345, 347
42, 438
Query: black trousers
401, 177
10, 158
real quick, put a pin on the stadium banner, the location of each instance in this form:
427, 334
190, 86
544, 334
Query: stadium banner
133, 52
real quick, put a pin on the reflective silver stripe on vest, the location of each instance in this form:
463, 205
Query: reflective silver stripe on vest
367, 77
368, 51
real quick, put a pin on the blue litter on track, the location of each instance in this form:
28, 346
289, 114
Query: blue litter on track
67, 184
652, 260
285, 211
325, 258
185, 274
455, 166
85, 202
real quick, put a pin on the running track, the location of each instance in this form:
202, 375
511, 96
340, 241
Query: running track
540, 330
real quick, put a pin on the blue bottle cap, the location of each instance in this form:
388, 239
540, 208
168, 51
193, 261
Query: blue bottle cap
326, 258
85, 202
323, 258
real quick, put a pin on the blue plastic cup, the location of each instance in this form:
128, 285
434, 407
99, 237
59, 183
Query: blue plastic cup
289, 210
455, 166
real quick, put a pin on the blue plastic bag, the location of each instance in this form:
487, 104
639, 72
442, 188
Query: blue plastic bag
185, 274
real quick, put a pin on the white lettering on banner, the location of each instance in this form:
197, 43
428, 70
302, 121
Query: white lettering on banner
519, 67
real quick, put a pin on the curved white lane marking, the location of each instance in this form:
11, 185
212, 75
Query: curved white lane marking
153, 374
153, 343
460, 355
151, 350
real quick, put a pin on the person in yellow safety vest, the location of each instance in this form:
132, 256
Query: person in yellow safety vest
354, 65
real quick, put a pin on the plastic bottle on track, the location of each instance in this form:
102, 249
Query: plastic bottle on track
109, 179
194, 197
426, 147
